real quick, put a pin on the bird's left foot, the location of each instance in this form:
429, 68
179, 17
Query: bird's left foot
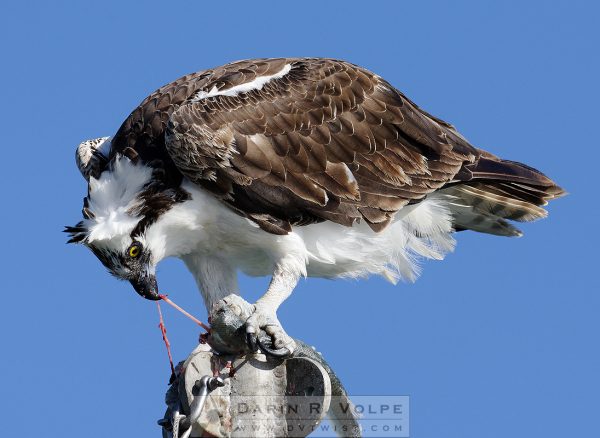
265, 319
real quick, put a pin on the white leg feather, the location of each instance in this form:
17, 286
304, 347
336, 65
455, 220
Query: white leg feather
215, 277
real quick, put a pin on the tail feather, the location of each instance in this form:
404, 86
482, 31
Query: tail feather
466, 217
492, 191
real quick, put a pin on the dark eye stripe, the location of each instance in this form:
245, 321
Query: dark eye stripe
155, 200
113, 261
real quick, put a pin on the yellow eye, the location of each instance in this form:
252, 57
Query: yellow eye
134, 251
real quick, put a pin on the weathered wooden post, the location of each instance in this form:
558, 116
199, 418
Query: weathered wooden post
224, 390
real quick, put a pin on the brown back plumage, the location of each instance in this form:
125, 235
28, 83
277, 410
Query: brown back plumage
327, 140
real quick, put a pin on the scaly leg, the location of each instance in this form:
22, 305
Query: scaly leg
282, 284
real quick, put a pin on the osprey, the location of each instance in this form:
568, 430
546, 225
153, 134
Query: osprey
290, 167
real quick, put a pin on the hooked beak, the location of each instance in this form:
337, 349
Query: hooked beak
146, 286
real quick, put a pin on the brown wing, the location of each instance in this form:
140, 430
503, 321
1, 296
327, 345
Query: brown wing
328, 140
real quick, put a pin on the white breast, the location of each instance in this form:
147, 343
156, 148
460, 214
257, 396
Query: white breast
325, 249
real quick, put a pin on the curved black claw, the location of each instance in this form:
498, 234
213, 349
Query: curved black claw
265, 346
251, 341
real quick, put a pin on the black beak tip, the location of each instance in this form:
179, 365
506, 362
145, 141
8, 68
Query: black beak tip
152, 296
146, 288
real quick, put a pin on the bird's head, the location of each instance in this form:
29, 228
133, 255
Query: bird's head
124, 223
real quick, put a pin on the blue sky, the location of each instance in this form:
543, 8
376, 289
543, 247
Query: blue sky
500, 339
